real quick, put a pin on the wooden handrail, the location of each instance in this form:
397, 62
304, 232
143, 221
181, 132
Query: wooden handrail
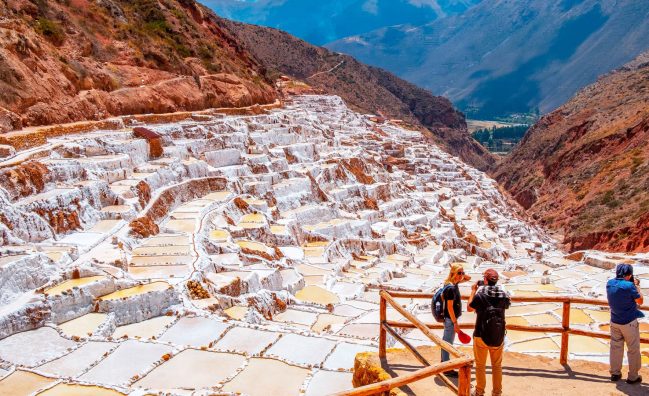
555, 299
384, 386
418, 324
514, 327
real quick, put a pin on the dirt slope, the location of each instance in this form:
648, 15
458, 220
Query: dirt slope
83, 60
583, 170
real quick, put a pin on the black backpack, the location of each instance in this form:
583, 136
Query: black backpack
493, 326
439, 303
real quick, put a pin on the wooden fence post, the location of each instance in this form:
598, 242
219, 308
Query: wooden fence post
565, 323
464, 381
382, 334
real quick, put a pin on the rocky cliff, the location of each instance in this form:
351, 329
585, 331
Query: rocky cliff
364, 88
84, 60
583, 169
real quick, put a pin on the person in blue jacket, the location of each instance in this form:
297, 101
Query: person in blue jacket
624, 297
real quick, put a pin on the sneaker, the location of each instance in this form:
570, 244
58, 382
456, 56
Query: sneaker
616, 377
635, 381
451, 374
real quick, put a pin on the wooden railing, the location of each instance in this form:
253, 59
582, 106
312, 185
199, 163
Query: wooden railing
461, 361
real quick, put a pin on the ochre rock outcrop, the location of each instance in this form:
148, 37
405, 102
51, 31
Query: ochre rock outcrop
583, 170
24, 179
63, 62
153, 140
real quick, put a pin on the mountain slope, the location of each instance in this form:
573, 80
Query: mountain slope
510, 56
79, 60
583, 169
364, 88
320, 22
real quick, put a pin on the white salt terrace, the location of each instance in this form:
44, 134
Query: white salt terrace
266, 285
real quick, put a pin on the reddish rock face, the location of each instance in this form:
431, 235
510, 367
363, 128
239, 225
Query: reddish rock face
153, 139
25, 179
143, 193
144, 227
583, 170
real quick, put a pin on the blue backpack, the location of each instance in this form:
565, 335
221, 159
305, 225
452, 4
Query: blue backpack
439, 303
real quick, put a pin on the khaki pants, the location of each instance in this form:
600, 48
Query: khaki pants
480, 351
629, 333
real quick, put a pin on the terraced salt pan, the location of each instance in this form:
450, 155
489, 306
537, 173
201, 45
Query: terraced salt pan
31, 347
317, 295
246, 340
23, 383
131, 358
312, 350
76, 362
83, 325
143, 261
79, 390
326, 322
297, 317
270, 375
194, 331
343, 356
236, 312
136, 290
69, 284
145, 329
167, 272
192, 369
327, 382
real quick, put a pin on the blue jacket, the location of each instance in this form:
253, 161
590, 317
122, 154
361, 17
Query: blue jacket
621, 299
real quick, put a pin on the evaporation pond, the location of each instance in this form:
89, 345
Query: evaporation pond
136, 290
69, 284
192, 369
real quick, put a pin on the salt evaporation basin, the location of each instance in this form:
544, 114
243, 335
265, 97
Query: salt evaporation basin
361, 330
104, 226
83, 325
145, 329
131, 358
197, 331
170, 250
218, 196
252, 221
236, 312
326, 321
30, 347
317, 295
187, 226
219, 235
327, 382
268, 377
584, 345
246, 340
69, 284
297, 317
522, 309
542, 320
192, 369
136, 290
540, 345
79, 390
161, 260
167, 272
343, 356
76, 362
24, 383
311, 350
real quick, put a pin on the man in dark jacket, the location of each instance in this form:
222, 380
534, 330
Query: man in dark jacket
624, 296
489, 301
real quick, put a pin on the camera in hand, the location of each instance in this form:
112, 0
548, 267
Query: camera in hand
480, 283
